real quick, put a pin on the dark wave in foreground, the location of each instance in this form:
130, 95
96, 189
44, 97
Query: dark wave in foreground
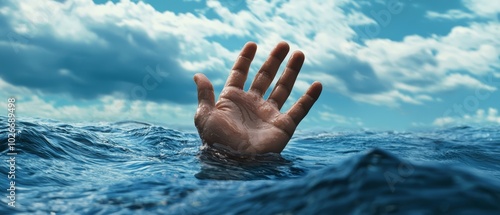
139, 168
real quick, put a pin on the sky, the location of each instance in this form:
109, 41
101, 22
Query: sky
384, 64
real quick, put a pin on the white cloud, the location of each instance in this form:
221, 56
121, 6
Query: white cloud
418, 65
29, 103
390, 98
444, 121
480, 117
411, 71
412, 68
483, 8
107, 109
333, 83
329, 115
451, 81
268, 22
450, 14
339, 119
479, 9
7, 89
74, 20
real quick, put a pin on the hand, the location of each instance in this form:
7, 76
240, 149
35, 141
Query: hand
244, 121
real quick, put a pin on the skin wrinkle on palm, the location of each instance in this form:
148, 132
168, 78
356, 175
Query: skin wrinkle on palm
244, 121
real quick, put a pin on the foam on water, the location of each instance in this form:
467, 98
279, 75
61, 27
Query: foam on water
133, 167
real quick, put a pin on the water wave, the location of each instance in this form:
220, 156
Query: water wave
133, 167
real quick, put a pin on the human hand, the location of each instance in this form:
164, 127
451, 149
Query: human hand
244, 121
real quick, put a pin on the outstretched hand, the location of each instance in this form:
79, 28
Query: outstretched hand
244, 121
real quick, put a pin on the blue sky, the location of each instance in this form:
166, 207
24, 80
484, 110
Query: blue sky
394, 64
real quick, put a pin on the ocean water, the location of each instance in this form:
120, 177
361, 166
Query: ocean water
139, 168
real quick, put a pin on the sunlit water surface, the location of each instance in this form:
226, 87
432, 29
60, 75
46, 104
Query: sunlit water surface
138, 168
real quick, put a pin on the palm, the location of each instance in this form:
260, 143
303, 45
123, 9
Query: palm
244, 121
247, 123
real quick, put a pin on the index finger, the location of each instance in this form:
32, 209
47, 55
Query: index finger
239, 72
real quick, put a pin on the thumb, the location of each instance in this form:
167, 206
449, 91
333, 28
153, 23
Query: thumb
206, 97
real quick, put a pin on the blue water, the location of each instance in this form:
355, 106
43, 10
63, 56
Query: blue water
139, 168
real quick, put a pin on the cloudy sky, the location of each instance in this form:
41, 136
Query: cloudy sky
384, 64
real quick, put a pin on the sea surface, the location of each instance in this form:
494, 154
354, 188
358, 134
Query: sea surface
138, 168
